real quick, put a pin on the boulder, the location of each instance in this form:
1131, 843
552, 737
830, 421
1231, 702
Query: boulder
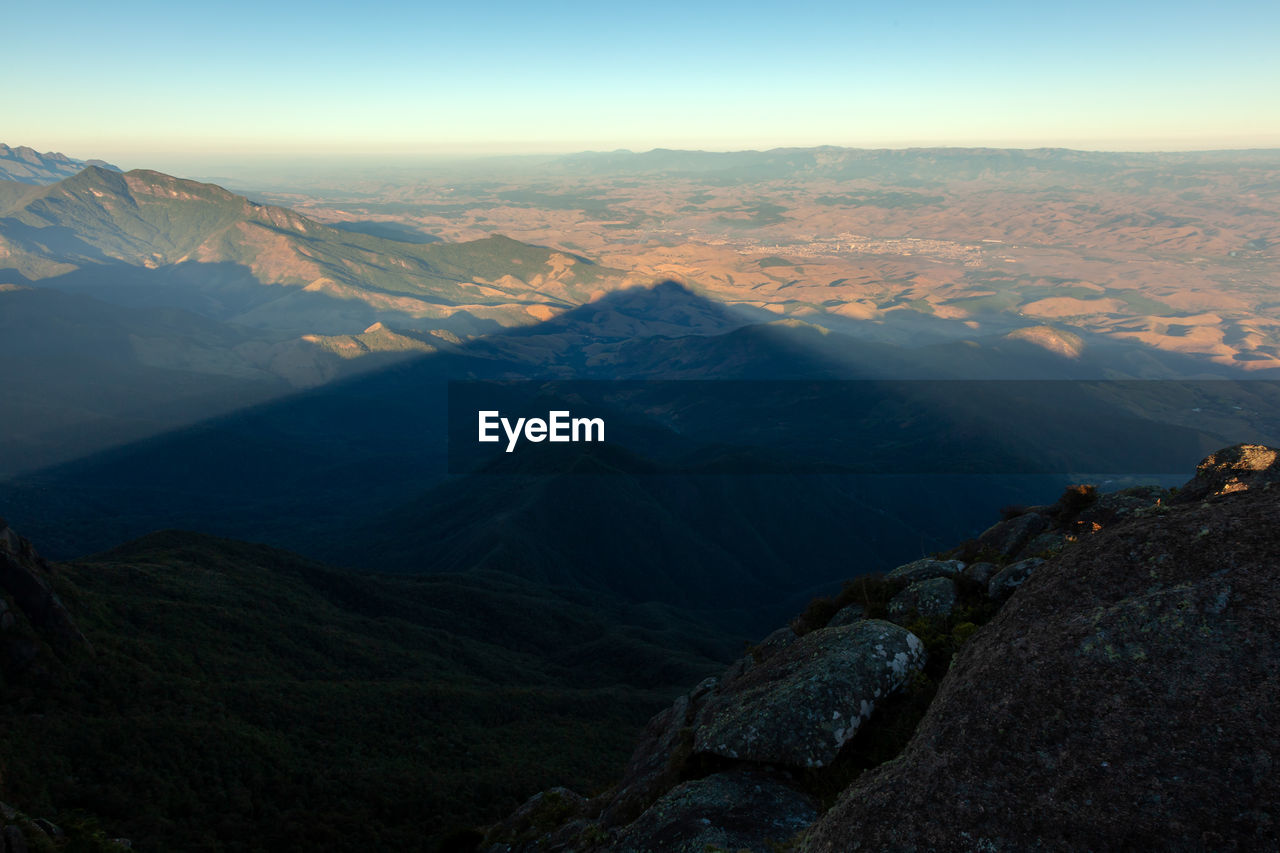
927, 569
772, 644
1011, 577
537, 816
847, 615
760, 652
1046, 544
802, 705
734, 811
1124, 701
1009, 536
1115, 506
981, 572
929, 599
656, 762
1230, 470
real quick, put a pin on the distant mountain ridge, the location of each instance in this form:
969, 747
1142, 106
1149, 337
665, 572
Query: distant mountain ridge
130, 237
925, 164
119, 289
28, 166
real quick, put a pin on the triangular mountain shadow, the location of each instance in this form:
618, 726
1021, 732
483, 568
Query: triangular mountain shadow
368, 443
355, 472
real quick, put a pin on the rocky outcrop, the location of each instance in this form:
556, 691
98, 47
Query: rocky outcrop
927, 569
31, 614
1011, 577
1012, 535
20, 833
725, 811
847, 615
981, 572
1098, 673
793, 702
929, 598
1124, 698
1232, 469
805, 702
658, 760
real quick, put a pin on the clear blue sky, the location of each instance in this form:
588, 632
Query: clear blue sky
154, 83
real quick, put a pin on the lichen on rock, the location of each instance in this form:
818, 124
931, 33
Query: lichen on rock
803, 704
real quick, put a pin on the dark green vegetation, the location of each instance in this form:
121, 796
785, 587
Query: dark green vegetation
882, 199
754, 216
246, 698
589, 204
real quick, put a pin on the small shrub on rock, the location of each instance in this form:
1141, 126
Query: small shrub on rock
1075, 499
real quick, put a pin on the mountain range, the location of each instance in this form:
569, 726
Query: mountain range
135, 302
27, 166
150, 239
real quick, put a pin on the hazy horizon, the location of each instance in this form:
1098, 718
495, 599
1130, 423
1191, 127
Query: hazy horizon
184, 89
273, 167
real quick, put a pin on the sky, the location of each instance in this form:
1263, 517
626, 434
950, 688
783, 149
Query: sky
160, 84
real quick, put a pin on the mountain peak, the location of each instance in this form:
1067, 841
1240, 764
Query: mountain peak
28, 166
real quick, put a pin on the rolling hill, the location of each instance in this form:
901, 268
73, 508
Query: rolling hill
237, 696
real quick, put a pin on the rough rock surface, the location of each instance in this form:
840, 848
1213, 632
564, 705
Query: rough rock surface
1116, 506
1233, 469
1121, 698
1044, 545
726, 811
24, 581
847, 615
543, 811
928, 598
1011, 577
1009, 536
927, 569
772, 644
981, 572
804, 703
1124, 699
655, 764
